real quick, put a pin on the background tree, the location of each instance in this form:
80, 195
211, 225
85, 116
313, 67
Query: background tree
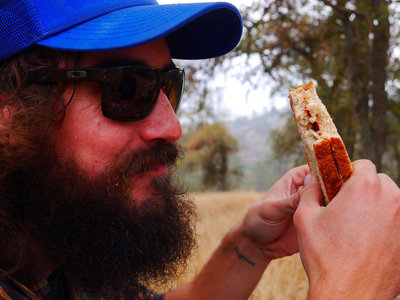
348, 49
209, 149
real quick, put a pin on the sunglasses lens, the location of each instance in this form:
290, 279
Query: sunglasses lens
174, 88
130, 95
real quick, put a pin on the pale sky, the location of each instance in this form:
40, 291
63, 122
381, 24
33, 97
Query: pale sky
240, 99
237, 3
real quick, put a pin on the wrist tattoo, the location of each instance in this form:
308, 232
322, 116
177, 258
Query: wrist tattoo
241, 256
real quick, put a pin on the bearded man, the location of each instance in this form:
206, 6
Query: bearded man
89, 206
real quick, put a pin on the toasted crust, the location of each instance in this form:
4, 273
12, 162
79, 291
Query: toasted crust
328, 167
304, 87
342, 159
325, 152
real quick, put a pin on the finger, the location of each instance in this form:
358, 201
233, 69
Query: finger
311, 195
364, 175
386, 182
277, 210
391, 191
309, 205
299, 173
298, 176
290, 204
364, 167
289, 183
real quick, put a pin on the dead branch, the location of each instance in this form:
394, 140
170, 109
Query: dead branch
347, 11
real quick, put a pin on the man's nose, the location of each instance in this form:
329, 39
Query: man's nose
162, 124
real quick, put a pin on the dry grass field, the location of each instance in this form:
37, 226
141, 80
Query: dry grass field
284, 278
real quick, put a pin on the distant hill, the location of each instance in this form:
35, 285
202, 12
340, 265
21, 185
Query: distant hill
255, 154
253, 134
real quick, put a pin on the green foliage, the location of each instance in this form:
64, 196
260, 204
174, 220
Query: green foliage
345, 47
286, 144
209, 148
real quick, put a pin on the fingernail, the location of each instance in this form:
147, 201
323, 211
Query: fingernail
308, 179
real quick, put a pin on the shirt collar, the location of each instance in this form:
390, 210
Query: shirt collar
38, 289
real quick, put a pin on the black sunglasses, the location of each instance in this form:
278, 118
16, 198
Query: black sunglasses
128, 93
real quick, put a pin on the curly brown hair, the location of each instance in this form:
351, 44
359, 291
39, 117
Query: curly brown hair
29, 112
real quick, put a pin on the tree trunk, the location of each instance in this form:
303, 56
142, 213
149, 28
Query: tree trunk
379, 56
356, 56
396, 163
224, 168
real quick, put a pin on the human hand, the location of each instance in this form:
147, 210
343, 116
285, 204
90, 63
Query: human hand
350, 249
268, 223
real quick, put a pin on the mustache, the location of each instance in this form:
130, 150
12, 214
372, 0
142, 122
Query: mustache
144, 160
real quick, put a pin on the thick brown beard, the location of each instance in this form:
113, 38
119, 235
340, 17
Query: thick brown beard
87, 230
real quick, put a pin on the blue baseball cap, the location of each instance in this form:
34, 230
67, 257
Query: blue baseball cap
192, 31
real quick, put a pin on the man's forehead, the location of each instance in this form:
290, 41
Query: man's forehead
155, 54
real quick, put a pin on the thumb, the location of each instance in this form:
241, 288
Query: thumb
290, 204
311, 195
277, 210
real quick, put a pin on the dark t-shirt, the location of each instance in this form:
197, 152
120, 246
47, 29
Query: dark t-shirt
56, 287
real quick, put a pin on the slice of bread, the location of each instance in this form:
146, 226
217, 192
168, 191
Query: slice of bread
325, 152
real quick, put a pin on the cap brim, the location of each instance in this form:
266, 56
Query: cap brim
193, 31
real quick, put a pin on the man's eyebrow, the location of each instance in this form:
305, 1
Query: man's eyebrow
119, 62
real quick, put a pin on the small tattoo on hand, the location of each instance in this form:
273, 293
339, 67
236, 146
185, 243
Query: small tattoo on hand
241, 256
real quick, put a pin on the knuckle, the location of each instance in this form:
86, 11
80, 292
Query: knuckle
383, 176
295, 171
364, 164
289, 173
369, 184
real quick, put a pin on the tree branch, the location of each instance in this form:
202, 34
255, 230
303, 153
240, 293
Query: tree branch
347, 11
